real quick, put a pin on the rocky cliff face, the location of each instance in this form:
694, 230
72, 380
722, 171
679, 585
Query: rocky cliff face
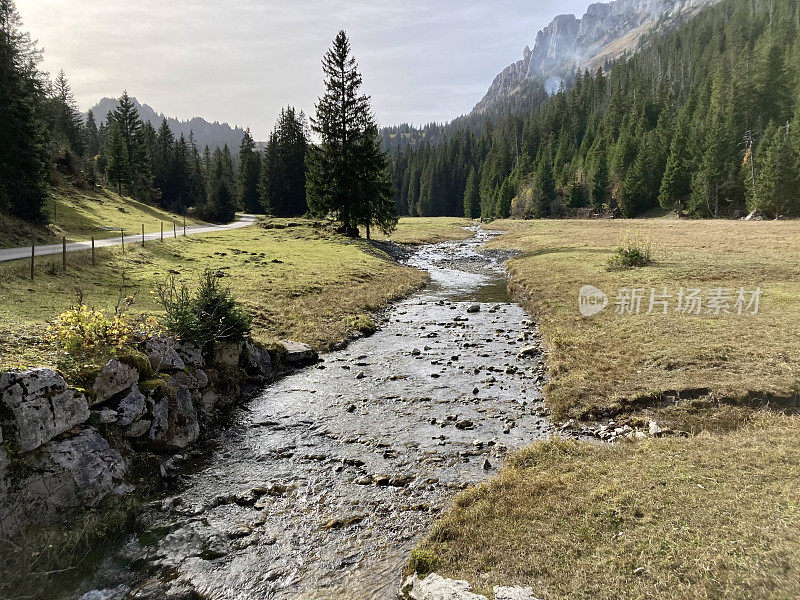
567, 43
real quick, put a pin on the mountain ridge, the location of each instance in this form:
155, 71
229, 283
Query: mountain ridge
211, 134
604, 32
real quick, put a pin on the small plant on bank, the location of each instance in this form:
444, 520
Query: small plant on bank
633, 253
208, 314
86, 338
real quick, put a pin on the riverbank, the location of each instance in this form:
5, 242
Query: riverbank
705, 507
302, 282
320, 486
320, 288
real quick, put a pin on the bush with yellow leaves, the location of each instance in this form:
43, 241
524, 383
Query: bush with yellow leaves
82, 329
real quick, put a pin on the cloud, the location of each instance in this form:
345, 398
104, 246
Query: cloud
240, 62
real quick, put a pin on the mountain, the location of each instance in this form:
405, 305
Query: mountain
205, 133
567, 44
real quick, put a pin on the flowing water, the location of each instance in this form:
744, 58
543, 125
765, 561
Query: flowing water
322, 484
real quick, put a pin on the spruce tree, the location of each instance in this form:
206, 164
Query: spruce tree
545, 185
347, 170
600, 193
676, 183
139, 178
24, 162
66, 122
117, 166
91, 135
249, 170
220, 203
778, 175
472, 197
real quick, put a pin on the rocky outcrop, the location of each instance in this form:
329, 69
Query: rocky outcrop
175, 424
163, 355
78, 471
115, 377
36, 406
297, 354
436, 587
568, 44
60, 449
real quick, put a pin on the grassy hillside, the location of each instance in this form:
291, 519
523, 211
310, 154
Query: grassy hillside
80, 214
711, 515
300, 282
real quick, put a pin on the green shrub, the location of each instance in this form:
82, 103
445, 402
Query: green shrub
209, 314
422, 562
634, 253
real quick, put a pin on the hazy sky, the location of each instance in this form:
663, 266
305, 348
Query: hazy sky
422, 60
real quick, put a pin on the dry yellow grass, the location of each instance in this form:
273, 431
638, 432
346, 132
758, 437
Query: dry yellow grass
299, 283
714, 516
429, 230
618, 362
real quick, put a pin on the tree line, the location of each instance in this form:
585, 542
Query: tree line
704, 120
344, 175
44, 133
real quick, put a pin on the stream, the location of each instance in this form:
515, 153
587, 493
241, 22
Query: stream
321, 485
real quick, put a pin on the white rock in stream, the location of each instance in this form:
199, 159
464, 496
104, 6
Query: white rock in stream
513, 593
436, 587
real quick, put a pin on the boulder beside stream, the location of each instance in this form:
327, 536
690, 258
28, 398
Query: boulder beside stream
62, 447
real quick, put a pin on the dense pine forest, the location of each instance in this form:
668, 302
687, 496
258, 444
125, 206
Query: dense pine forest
703, 120
44, 139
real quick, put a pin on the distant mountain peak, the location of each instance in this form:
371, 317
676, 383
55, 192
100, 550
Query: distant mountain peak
213, 135
568, 43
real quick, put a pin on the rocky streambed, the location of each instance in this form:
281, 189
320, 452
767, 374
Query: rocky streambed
322, 484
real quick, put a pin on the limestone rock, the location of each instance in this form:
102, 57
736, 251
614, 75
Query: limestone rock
513, 593
94, 468
131, 408
570, 44
114, 377
3, 462
175, 425
193, 380
138, 429
227, 353
299, 354
436, 587
255, 360
162, 354
191, 354
37, 405
75, 472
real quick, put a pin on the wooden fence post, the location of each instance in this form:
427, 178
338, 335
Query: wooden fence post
64, 253
122, 231
184, 226
174, 229
33, 253
142, 235
93, 263
162, 231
